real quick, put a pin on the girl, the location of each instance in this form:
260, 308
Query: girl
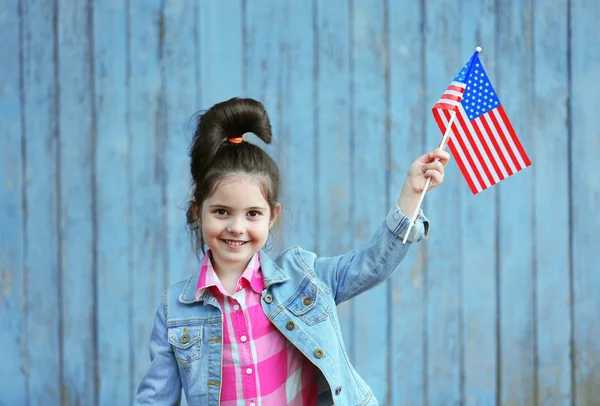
248, 329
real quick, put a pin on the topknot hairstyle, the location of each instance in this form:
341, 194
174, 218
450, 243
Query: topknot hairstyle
213, 157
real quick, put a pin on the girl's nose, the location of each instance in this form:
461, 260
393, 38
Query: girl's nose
235, 226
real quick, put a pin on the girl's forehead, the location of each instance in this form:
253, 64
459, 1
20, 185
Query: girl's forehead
238, 190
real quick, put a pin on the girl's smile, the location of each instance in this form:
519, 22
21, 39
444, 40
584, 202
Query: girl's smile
235, 223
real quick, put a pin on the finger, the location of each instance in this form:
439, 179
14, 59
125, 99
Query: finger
440, 155
436, 177
435, 165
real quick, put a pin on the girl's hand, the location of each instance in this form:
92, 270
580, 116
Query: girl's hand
431, 165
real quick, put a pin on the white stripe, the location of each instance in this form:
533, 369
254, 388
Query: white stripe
252, 341
460, 152
471, 149
448, 101
509, 138
234, 350
499, 141
453, 93
458, 84
479, 146
491, 146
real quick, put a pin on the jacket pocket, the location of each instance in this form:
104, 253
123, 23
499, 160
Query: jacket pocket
310, 305
186, 342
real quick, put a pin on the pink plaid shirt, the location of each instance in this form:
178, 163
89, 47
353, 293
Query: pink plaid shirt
260, 366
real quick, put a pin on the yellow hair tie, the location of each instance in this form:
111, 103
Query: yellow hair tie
236, 140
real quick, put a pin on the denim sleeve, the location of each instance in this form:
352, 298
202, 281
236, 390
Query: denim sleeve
357, 271
161, 384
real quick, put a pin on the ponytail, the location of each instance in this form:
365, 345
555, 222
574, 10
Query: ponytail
218, 150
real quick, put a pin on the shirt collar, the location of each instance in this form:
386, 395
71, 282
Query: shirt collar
209, 278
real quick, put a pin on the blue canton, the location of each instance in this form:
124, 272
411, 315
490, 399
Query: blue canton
480, 96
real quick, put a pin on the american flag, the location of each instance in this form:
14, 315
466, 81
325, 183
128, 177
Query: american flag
482, 139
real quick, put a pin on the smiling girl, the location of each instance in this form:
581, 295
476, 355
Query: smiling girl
248, 329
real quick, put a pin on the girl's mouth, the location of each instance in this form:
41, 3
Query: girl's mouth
234, 243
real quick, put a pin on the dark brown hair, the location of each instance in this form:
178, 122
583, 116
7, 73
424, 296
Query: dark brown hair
213, 157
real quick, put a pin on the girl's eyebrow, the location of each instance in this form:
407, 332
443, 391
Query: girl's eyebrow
222, 206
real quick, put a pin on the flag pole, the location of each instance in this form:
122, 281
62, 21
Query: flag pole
441, 148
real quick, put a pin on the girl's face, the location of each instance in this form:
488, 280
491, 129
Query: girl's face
235, 220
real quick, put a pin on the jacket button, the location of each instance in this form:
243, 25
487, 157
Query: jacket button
268, 298
290, 325
318, 353
185, 338
307, 301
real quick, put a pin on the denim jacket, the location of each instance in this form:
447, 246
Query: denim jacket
192, 359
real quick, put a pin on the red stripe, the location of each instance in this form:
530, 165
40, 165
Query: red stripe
481, 159
461, 166
451, 97
502, 136
456, 88
513, 135
438, 119
488, 151
494, 140
445, 106
455, 154
458, 139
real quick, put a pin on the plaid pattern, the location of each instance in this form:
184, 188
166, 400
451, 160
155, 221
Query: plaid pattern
260, 366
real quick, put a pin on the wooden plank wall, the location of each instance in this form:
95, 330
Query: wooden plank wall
499, 307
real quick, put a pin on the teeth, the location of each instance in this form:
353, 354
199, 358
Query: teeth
235, 243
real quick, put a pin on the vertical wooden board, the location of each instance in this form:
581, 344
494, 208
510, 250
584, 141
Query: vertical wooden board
408, 113
179, 106
333, 138
478, 240
41, 333
13, 349
585, 197
369, 55
516, 285
444, 246
112, 215
220, 53
76, 206
146, 177
262, 73
297, 158
550, 172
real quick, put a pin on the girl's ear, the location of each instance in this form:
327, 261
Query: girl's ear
275, 214
196, 211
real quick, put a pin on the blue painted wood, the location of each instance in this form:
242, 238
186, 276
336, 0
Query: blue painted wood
296, 124
516, 281
146, 177
332, 116
585, 196
370, 146
261, 70
408, 114
220, 52
550, 172
13, 348
41, 277
478, 241
111, 194
443, 248
95, 174
180, 89
76, 206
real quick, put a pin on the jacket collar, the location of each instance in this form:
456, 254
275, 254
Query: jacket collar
272, 274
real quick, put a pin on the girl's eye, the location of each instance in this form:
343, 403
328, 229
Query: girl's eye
253, 213
221, 212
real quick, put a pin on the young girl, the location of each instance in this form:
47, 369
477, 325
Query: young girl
248, 329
